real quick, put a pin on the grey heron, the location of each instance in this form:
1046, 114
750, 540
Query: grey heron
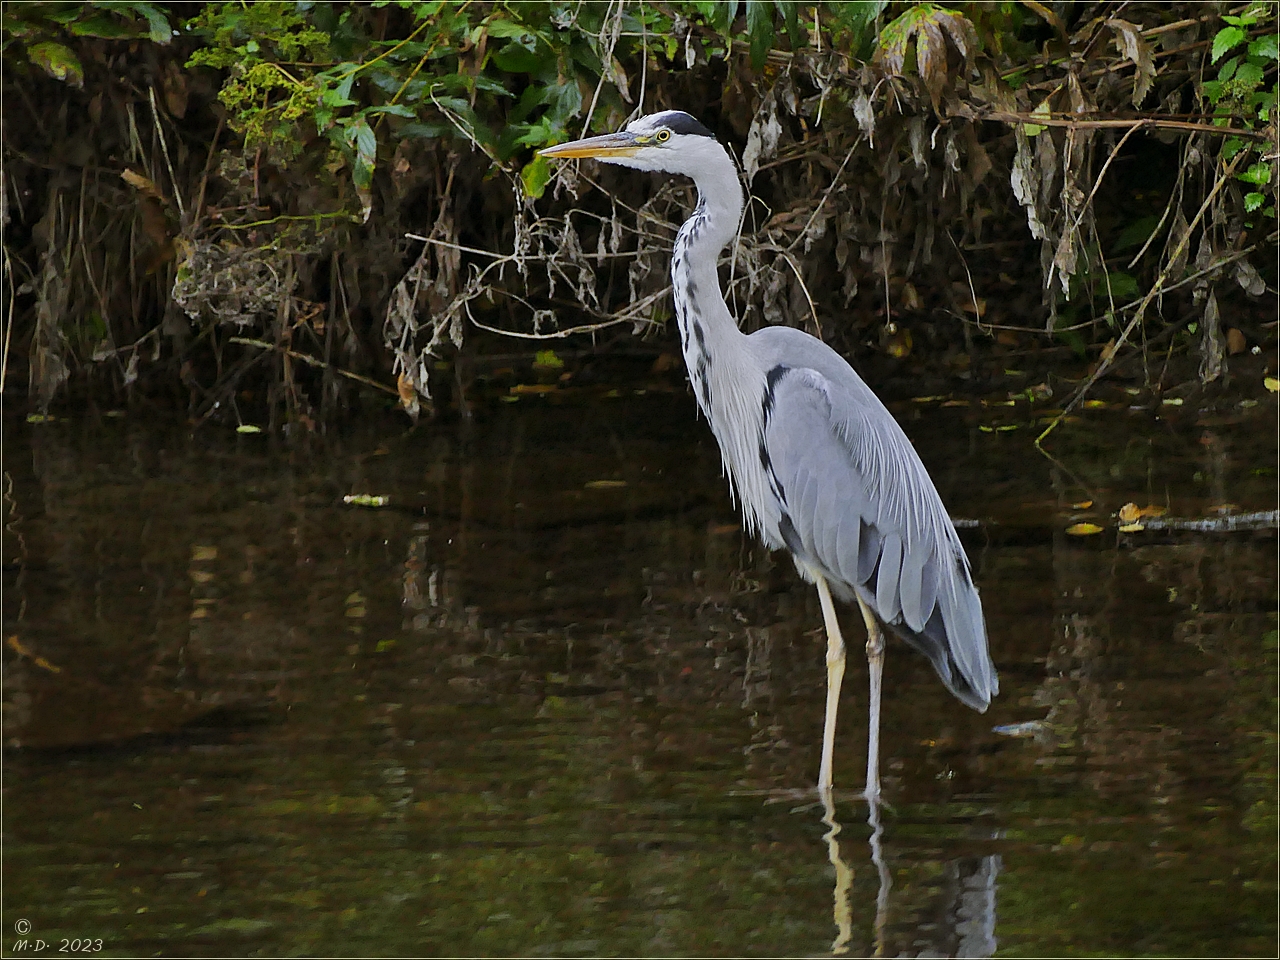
817, 463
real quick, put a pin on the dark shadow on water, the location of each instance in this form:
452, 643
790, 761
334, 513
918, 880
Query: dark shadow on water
535, 704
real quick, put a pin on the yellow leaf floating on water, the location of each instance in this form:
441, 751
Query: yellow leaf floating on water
1151, 510
248, 428
1082, 505
366, 500
1096, 404
1131, 528
1129, 513
1083, 529
1271, 383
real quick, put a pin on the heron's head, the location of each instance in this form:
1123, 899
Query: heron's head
670, 141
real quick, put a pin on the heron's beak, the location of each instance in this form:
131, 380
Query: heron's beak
621, 144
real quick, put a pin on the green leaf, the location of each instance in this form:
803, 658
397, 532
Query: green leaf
548, 359
511, 29
395, 109
1252, 201
157, 22
535, 176
362, 138
1259, 173
1228, 69
1266, 47
1249, 75
1122, 285
759, 31
57, 61
516, 58
1135, 235
1228, 38
102, 26
792, 20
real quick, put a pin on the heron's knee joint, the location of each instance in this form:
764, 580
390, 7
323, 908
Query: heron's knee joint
875, 645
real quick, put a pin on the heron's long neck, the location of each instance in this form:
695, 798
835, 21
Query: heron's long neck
707, 328
727, 381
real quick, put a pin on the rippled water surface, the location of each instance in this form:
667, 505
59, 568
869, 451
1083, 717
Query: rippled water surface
548, 700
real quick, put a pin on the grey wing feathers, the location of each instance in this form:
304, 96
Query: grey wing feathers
859, 508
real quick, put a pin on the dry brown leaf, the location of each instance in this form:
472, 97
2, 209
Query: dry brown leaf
140, 183
1236, 342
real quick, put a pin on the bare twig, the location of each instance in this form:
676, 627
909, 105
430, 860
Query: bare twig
312, 361
164, 148
1153, 123
1156, 288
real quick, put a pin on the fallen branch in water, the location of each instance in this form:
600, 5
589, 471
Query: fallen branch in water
1232, 523
312, 361
1261, 520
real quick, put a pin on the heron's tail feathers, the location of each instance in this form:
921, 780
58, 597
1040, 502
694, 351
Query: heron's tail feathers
954, 638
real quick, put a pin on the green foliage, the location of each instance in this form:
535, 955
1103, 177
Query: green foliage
1241, 97
42, 31
506, 78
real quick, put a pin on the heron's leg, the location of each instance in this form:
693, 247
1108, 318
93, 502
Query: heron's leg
835, 676
875, 670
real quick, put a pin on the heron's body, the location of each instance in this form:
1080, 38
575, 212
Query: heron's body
817, 463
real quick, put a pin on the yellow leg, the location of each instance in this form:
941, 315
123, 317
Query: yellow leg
875, 670
835, 676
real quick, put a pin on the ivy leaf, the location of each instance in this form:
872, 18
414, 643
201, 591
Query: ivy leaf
1227, 39
58, 62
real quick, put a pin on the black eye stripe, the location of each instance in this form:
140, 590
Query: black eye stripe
680, 122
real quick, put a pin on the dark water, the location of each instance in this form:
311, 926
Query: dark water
548, 700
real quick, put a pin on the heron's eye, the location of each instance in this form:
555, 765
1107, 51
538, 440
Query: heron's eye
663, 136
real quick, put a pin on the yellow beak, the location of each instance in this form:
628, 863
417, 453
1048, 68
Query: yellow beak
610, 145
